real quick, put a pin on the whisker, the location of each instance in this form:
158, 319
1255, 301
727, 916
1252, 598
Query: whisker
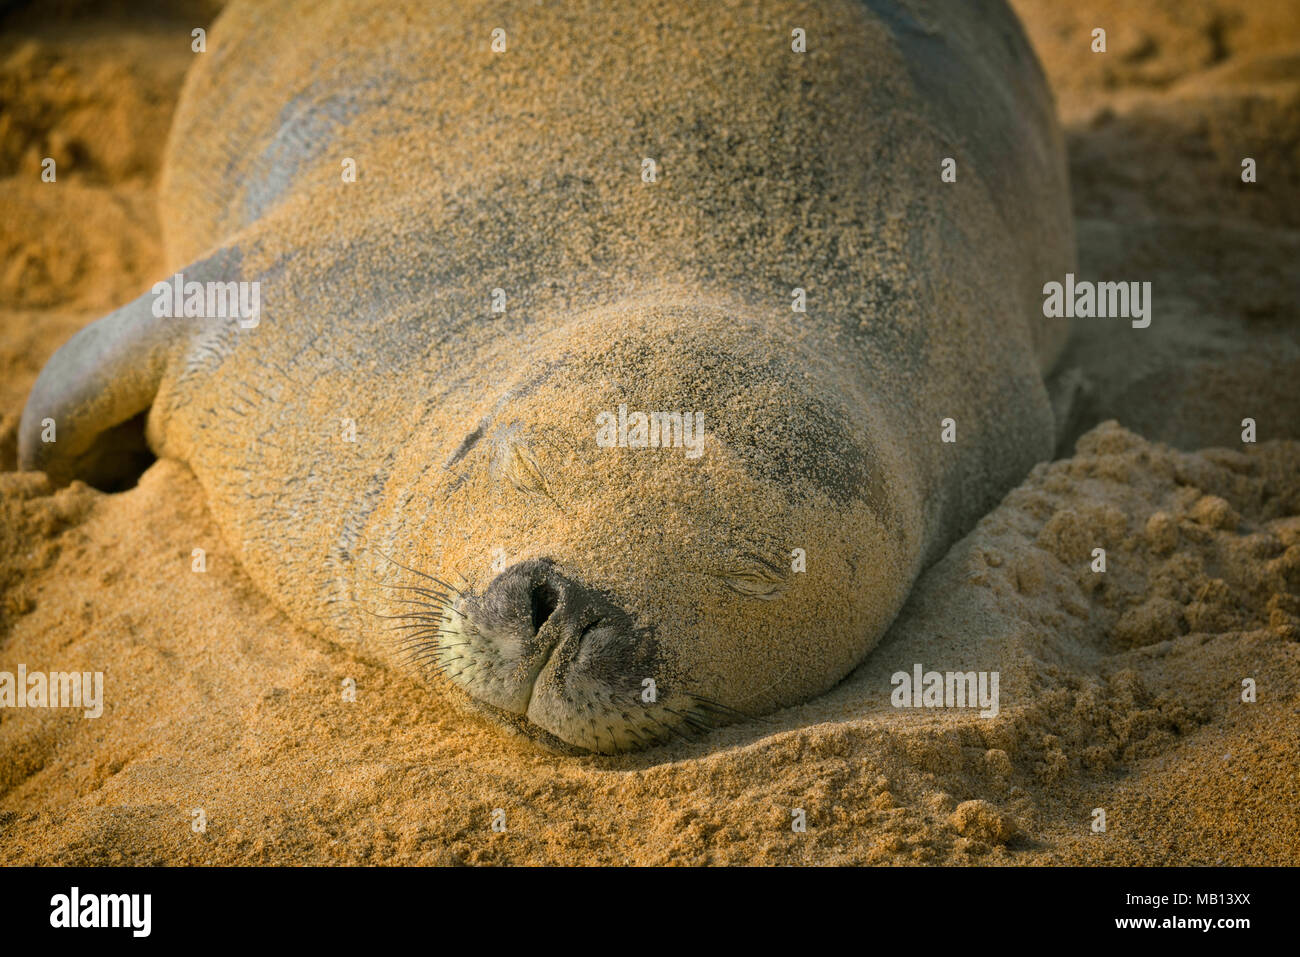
422, 616
709, 704
419, 589
436, 581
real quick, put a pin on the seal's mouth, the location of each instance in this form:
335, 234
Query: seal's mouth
563, 664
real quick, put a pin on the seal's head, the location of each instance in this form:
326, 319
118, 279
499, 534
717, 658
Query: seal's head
669, 518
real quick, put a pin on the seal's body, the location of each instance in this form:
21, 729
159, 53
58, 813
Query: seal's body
606, 349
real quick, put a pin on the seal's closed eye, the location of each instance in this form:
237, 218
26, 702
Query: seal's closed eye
755, 578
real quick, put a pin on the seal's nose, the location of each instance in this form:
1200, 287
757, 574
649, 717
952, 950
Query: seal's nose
544, 607
539, 643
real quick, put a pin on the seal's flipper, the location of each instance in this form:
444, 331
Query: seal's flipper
85, 416
82, 417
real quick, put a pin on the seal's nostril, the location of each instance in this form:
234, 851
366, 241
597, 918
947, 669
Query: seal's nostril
541, 606
545, 601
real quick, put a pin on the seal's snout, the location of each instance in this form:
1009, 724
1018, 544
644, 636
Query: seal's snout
564, 657
535, 607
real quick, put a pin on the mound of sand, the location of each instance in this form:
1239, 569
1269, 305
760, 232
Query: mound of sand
1120, 690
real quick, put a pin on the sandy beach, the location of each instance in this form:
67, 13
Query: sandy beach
1120, 692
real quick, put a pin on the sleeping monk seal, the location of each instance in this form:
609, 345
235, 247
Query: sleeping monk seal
528, 378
